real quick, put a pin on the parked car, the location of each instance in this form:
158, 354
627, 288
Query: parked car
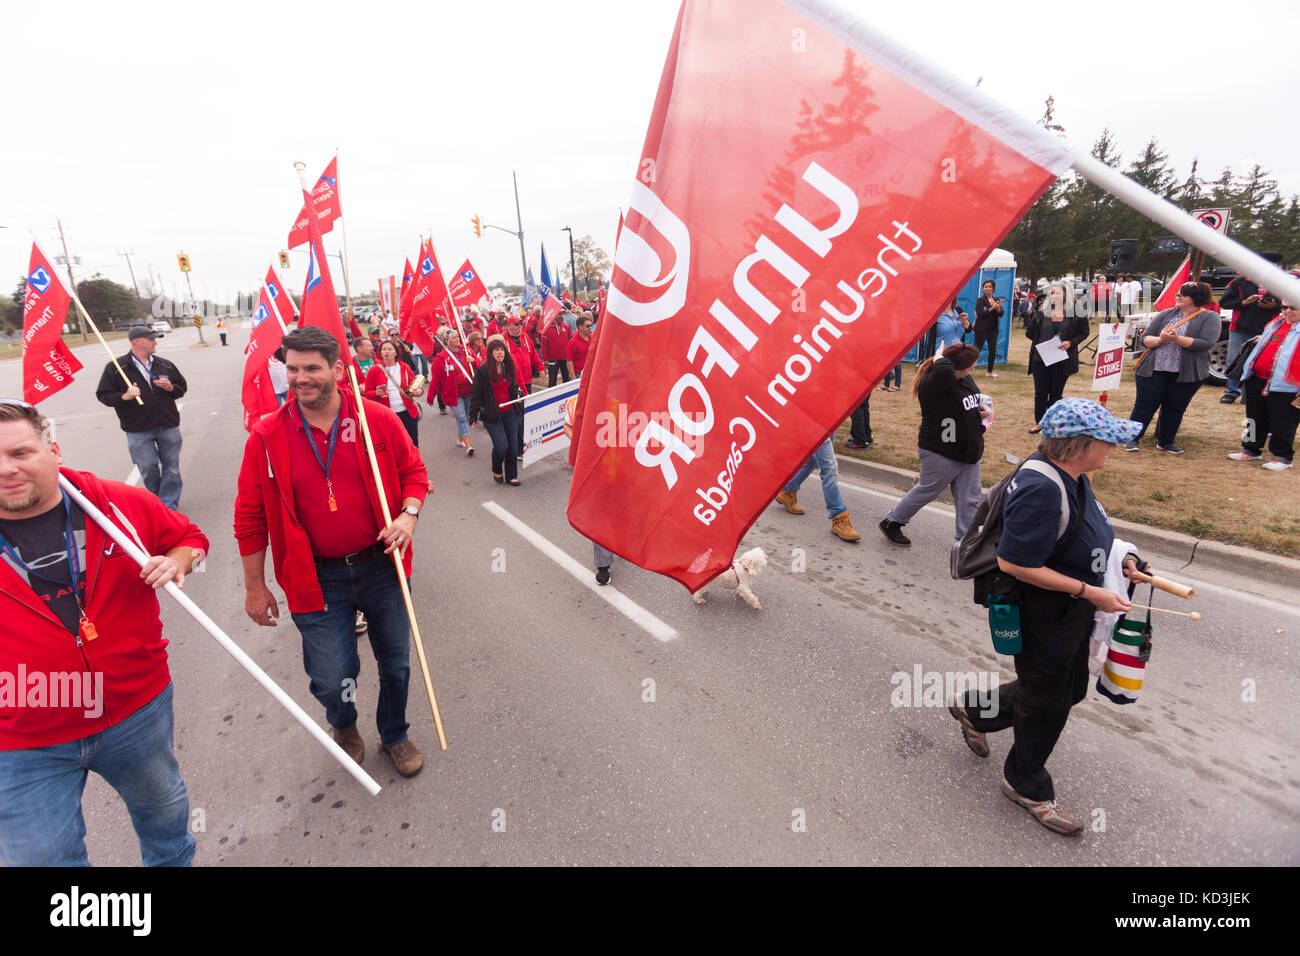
1219, 277
159, 326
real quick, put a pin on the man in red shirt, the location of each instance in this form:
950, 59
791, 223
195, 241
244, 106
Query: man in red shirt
580, 344
306, 484
84, 683
555, 351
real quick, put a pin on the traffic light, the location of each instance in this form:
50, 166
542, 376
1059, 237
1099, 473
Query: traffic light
184, 262
478, 226
284, 259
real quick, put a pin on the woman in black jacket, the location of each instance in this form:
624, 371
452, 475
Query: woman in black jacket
950, 441
1056, 317
493, 389
988, 321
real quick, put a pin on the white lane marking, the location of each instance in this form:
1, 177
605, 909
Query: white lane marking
608, 593
1257, 599
134, 477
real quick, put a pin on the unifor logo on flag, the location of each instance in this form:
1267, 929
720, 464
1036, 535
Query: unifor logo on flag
743, 324
48, 364
323, 205
466, 286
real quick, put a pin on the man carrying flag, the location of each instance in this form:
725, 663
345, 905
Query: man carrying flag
306, 487
48, 365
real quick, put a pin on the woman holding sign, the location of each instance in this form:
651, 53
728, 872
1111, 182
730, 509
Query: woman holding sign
1176, 362
1055, 332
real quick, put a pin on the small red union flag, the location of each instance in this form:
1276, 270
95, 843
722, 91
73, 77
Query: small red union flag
324, 205
48, 365
742, 324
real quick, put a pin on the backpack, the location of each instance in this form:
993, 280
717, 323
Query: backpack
975, 556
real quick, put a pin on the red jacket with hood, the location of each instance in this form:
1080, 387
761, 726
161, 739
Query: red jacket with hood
129, 650
264, 505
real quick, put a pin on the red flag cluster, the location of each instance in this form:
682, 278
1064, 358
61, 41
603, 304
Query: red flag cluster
322, 207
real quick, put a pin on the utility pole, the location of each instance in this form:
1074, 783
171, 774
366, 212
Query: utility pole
67, 261
131, 270
573, 265
523, 259
198, 324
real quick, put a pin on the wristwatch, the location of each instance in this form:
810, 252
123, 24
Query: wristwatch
411, 510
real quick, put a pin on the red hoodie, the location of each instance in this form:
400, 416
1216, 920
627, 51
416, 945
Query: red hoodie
448, 379
129, 651
264, 505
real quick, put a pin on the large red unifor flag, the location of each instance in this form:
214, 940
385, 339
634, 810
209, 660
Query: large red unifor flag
1168, 297
323, 206
257, 393
428, 302
466, 286
48, 365
802, 210
320, 306
551, 307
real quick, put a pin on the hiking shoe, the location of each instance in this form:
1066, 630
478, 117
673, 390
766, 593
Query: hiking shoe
360, 626
1171, 448
1132, 445
789, 500
1277, 464
406, 757
975, 740
1227, 399
1047, 812
842, 528
894, 532
351, 742
1244, 456
602, 575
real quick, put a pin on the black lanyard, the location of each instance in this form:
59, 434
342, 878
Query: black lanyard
329, 452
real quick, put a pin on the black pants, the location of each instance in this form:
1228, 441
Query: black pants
989, 336
412, 426
860, 422
1163, 391
557, 368
1270, 413
223, 337
1049, 384
1051, 677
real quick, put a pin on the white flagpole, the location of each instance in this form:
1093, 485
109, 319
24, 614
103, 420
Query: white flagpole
235, 651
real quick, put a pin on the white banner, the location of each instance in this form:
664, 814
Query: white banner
544, 415
1110, 356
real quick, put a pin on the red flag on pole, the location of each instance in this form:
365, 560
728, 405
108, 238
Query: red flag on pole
320, 306
257, 393
48, 365
466, 286
551, 307
744, 324
281, 300
323, 206
408, 283
1168, 294
428, 301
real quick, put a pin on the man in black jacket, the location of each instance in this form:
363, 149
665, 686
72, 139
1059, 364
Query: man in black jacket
1253, 308
152, 424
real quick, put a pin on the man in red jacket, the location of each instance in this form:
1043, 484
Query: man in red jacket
306, 485
84, 683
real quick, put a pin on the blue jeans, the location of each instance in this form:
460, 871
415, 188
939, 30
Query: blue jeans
505, 444
329, 643
824, 460
897, 373
460, 412
157, 454
40, 792
1235, 341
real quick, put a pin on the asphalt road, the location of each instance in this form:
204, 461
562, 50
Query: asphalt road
771, 737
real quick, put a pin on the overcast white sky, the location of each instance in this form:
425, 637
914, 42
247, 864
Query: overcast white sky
156, 127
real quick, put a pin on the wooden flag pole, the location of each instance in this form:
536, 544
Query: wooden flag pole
397, 558
85, 316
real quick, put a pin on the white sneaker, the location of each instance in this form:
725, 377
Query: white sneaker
1243, 456
1277, 464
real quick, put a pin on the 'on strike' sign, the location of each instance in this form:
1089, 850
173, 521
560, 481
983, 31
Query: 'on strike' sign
1110, 356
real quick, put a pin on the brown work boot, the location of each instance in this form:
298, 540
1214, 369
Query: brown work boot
406, 757
789, 500
351, 742
842, 528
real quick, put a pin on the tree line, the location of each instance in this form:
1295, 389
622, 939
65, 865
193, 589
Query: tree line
1070, 227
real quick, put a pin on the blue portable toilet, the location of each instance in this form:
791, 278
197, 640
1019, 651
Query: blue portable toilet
1000, 266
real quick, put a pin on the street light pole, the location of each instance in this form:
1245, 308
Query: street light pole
573, 265
523, 259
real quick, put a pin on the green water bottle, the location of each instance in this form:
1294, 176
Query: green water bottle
1004, 623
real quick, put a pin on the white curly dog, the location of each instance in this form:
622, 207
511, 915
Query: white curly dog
741, 574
